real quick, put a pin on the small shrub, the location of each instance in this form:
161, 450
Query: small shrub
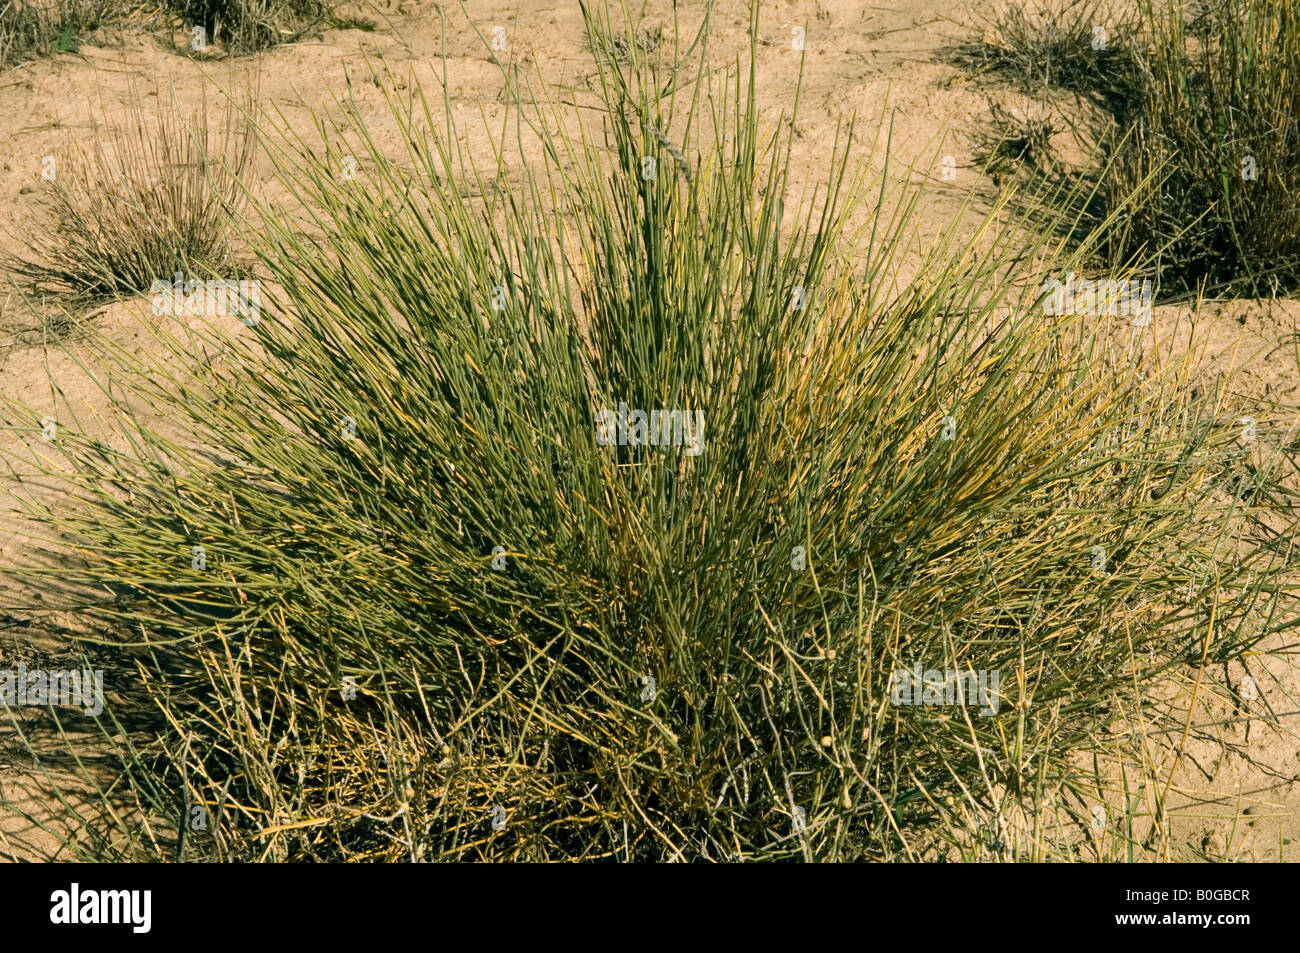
1197, 163
32, 28
1081, 46
138, 207
250, 26
1008, 141
1211, 157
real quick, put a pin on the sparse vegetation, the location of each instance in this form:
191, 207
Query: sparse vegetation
250, 26
1198, 154
1212, 153
35, 28
1008, 141
30, 29
1082, 46
137, 207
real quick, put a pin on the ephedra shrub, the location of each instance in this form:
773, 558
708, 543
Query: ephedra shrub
1209, 161
1197, 162
137, 207
410, 585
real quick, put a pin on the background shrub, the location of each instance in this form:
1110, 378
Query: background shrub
1211, 156
138, 207
1193, 177
250, 26
35, 28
